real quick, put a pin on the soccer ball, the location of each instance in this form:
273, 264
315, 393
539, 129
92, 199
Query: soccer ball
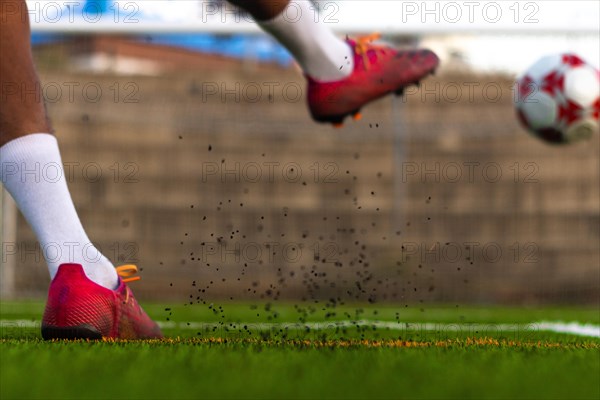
558, 99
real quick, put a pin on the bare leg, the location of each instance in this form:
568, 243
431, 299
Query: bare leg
262, 10
21, 104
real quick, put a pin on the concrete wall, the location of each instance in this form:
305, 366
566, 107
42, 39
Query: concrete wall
393, 213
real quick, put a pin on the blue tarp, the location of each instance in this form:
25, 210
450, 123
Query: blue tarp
44, 38
96, 6
261, 48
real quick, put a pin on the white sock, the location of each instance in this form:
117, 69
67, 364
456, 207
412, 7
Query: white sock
321, 54
32, 172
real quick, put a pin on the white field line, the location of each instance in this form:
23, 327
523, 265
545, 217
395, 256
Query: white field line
569, 328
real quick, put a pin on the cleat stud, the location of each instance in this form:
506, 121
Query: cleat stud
338, 125
357, 116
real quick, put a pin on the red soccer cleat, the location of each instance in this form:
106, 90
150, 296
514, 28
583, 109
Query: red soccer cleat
378, 71
78, 308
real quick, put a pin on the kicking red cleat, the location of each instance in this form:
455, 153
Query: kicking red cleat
78, 308
378, 71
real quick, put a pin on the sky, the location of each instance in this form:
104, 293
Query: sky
382, 15
496, 35
387, 15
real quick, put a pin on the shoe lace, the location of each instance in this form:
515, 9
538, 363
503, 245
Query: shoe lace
127, 272
364, 44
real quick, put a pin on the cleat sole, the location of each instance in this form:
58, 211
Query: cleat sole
336, 120
70, 332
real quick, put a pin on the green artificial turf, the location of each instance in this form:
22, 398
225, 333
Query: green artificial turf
225, 350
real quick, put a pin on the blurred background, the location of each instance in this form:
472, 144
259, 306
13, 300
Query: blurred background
190, 152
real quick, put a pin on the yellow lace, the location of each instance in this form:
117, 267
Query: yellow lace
127, 272
364, 43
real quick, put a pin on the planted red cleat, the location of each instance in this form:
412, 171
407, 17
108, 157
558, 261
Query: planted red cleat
78, 308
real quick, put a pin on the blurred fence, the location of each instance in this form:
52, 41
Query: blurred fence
209, 174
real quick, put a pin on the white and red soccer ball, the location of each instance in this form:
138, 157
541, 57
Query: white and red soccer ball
558, 99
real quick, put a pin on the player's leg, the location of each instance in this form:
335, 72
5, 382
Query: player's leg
19, 114
342, 76
85, 285
320, 53
28, 148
